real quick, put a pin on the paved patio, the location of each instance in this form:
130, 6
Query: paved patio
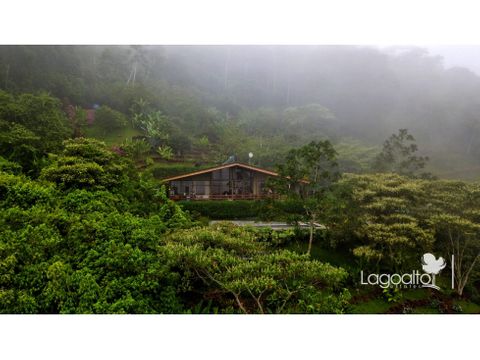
275, 225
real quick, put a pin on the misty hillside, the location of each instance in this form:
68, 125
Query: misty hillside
112, 200
214, 101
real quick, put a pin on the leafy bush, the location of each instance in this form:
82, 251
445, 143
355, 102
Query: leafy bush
244, 209
136, 149
391, 228
83, 251
30, 127
18, 191
392, 294
110, 119
224, 210
9, 166
86, 163
457, 308
165, 152
230, 266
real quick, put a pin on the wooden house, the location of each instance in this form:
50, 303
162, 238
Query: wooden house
230, 181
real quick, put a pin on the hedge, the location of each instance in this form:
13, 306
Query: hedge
241, 209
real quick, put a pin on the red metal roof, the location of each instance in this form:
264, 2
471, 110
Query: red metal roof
204, 171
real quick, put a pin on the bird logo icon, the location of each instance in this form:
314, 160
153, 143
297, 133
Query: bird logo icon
432, 265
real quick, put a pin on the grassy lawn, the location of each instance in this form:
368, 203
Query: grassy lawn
468, 307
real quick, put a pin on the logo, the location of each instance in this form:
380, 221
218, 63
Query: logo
431, 267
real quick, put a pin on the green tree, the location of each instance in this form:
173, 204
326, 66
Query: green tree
165, 152
392, 230
307, 176
399, 156
31, 126
86, 163
230, 261
156, 126
110, 119
461, 238
137, 149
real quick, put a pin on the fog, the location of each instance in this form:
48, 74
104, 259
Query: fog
274, 96
459, 56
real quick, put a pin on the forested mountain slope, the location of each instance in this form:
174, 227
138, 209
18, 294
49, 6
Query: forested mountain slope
220, 100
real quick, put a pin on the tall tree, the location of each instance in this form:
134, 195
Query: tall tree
307, 176
399, 155
461, 238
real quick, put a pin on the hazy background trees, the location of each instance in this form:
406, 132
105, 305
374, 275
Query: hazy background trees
275, 94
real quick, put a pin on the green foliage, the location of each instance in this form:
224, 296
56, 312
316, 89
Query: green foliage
155, 125
203, 141
17, 191
460, 236
165, 152
354, 156
30, 127
267, 107
110, 119
9, 166
392, 294
399, 155
238, 272
136, 149
308, 171
82, 252
149, 161
307, 176
69, 172
391, 231
93, 235
399, 219
40, 114
284, 210
223, 209
86, 163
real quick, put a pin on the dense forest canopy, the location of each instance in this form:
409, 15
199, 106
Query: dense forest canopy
220, 100
362, 139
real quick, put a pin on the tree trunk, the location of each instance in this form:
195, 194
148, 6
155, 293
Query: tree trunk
310, 240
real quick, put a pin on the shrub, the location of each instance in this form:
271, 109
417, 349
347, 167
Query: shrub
109, 118
136, 149
19, 191
86, 163
244, 209
9, 166
224, 210
239, 273
457, 308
